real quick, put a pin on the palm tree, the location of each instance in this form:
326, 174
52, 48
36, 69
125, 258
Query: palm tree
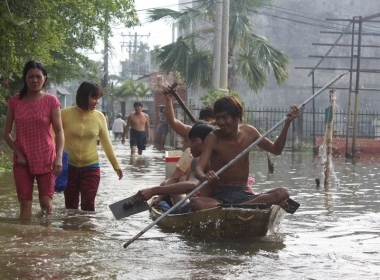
143, 90
251, 57
142, 51
130, 88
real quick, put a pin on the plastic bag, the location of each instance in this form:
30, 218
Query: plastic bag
61, 180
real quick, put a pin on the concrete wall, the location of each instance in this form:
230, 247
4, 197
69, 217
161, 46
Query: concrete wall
292, 26
172, 139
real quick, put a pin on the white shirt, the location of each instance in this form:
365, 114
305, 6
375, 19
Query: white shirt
118, 125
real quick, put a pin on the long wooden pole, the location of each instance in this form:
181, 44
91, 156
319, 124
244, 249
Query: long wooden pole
328, 137
300, 107
181, 103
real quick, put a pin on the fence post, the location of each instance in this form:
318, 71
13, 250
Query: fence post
329, 134
300, 127
294, 136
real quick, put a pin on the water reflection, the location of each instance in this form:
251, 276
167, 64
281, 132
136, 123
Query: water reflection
334, 234
139, 162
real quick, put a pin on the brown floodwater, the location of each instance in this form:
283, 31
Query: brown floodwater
335, 234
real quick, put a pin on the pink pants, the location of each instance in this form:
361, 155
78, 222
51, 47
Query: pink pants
24, 183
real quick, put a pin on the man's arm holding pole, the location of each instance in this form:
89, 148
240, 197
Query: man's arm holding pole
277, 147
179, 127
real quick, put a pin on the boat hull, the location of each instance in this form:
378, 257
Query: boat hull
223, 222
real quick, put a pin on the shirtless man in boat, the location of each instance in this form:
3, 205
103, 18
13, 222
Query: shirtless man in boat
197, 135
224, 144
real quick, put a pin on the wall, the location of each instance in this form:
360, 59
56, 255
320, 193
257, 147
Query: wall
159, 100
363, 147
292, 26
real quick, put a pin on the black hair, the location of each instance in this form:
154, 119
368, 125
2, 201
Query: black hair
231, 105
31, 65
200, 130
200, 122
137, 103
85, 90
206, 112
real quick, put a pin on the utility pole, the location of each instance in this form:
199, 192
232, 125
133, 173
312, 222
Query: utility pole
105, 63
126, 65
135, 37
225, 48
221, 36
104, 80
217, 44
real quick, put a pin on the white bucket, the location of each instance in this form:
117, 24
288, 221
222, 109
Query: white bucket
171, 159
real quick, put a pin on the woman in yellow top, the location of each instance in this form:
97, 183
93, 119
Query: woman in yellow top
82, 126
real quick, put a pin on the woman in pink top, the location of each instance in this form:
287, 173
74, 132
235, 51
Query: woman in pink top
37, 152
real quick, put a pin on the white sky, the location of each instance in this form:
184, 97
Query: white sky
160, 33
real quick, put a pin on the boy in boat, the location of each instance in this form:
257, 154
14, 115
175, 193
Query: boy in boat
197, 135
179, 127
224, 144
182, 171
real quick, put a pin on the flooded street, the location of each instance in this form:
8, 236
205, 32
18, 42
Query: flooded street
334, 234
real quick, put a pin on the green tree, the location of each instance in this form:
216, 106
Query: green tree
209, 98
251, 57
142, 51
57, 33
130, 88
143, 90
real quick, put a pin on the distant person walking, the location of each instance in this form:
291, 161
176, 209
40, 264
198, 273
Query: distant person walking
118, 127
139, 124
37, 151
107, 119
162, 129
83, 125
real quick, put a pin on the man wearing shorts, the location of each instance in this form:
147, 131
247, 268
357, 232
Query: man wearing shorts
226, 143
139, 124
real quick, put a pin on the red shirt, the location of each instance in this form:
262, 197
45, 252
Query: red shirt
34, 131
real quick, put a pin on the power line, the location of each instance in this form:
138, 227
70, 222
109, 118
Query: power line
302, 22
191, 2
273, 7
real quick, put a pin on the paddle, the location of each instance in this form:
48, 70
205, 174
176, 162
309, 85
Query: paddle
292, 206
228, 164
176, 96
127, 207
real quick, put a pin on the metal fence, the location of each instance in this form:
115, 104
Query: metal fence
302, 131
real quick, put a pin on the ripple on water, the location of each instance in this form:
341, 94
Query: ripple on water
334, 234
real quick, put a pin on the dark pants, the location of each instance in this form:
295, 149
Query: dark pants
83, 181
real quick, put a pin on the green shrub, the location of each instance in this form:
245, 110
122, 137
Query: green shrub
5, 151
211, 96
303, 147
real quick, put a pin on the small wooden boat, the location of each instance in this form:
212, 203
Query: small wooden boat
224, 221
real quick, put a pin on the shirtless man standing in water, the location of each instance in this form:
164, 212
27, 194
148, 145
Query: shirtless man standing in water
139, 124
224, 144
